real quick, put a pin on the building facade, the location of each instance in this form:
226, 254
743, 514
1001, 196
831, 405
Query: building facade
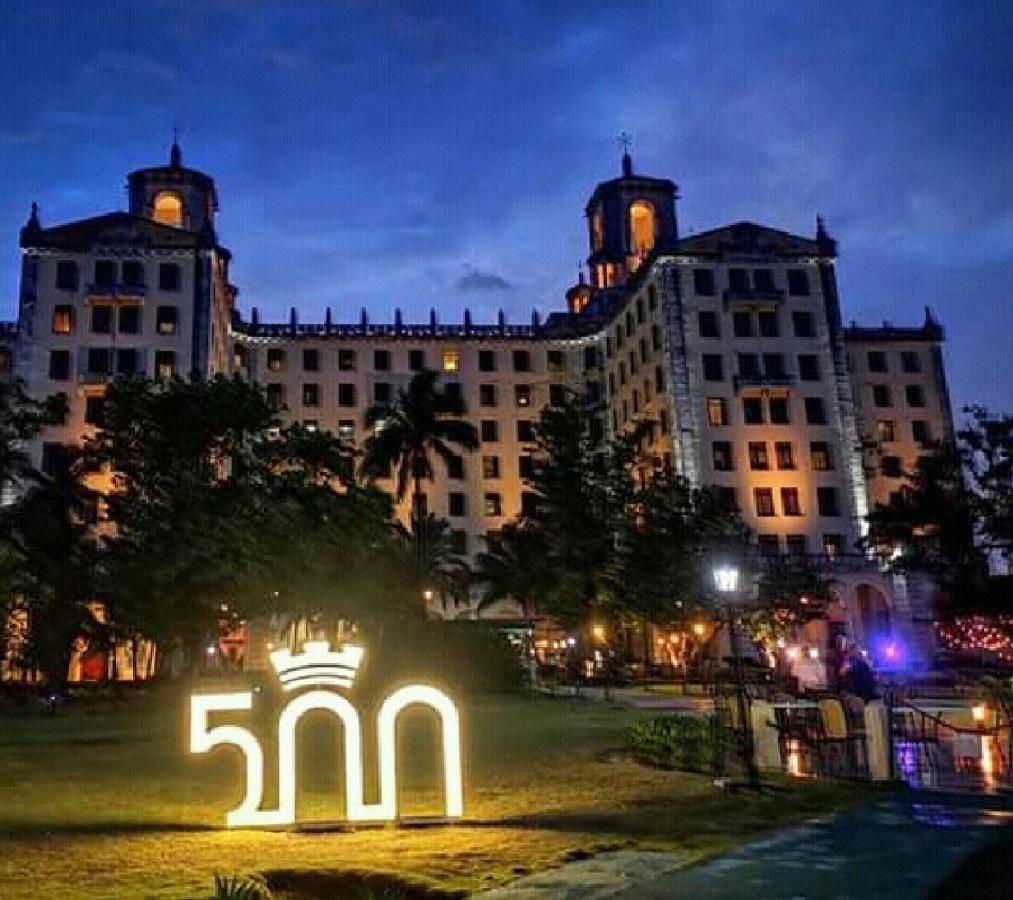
730, 342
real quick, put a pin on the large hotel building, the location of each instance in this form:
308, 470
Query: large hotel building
731, 341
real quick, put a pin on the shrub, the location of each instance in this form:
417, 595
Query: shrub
687, 743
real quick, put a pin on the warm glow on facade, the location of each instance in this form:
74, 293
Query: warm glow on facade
168, 209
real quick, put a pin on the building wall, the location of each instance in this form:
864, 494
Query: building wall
901, 399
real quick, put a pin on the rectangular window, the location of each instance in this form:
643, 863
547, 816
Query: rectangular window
764, 500
487, 395
591, 359
130, 319
819, 456
169, 277
768, 546
798, 282
346, 360
703, 282
451, 361
489, 430
126, 362
890, 467
346, 429
526, 466
778, 407
798, 546
815, 413
459, 542
522, 395
802, 324
656, 337
742, 324
915, 395
717, 412
876, 361
455, 504
453, 394
275, 394
416, 360
63, 319
708, 323
455, 467
346, 394
486, 360
881, 395
555, 360
885, 431
721, 453
826, 501
640, 310
763, 281
920, 431
105, 273
522, 361
275, 360
311, 360
99, 362
101, 319
93, 408
311, 395
789, 502
773, 366
738, 281
381, 392
490, 467
910, 361
557, 394
165, 364
833, 545
808, 367
66, 275
133, 274
659, 378
752, 410
166, 321
525, 431
758, 460
768, 324
59, 365
381, 360
493, 505
785, 453
749, 365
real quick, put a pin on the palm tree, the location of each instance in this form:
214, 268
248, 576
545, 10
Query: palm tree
423, 420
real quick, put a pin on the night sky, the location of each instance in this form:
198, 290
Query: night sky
419, 154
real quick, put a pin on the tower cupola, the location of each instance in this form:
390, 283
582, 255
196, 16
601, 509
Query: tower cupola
174, 195
629, 218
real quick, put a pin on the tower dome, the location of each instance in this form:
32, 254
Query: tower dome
174, 195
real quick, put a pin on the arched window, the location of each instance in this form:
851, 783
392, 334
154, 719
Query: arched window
642, 228
597, 229
168, 209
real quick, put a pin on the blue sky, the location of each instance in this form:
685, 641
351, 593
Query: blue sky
439, 154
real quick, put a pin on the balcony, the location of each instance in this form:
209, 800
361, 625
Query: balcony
115, 291
753, 297
761, 380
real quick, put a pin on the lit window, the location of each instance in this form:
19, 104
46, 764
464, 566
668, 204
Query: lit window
789, 501
165, 320
885, 431
764, 498
275, 360
63, 319
641, 228
493, 505
165, 364
819, 454
522, 394
490, 467
451, 361
346, 429
598, 228
717, 411
168, 209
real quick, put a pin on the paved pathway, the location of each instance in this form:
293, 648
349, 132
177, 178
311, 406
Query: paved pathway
896, 848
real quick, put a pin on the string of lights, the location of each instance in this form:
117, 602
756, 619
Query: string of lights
978, 634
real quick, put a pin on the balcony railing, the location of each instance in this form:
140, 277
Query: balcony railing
116, 290
753, 295
760, 379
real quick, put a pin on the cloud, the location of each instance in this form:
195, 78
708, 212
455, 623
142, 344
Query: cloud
477, 280
134, 65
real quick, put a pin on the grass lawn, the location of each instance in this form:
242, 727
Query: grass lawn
102, 802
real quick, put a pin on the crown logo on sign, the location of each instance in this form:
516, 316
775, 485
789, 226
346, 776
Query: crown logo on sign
317, 664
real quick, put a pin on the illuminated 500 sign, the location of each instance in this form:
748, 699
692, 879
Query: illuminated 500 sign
319, 667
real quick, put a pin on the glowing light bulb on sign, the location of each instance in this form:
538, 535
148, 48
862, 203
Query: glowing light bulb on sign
324, 670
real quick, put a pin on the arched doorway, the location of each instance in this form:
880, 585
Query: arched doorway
873, 612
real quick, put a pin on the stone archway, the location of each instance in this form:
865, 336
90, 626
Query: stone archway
873, 612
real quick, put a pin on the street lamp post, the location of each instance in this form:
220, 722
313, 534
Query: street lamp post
726, 579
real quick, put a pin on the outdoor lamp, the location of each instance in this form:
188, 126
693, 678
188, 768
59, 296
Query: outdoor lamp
699, 628
726, 578
599, 632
